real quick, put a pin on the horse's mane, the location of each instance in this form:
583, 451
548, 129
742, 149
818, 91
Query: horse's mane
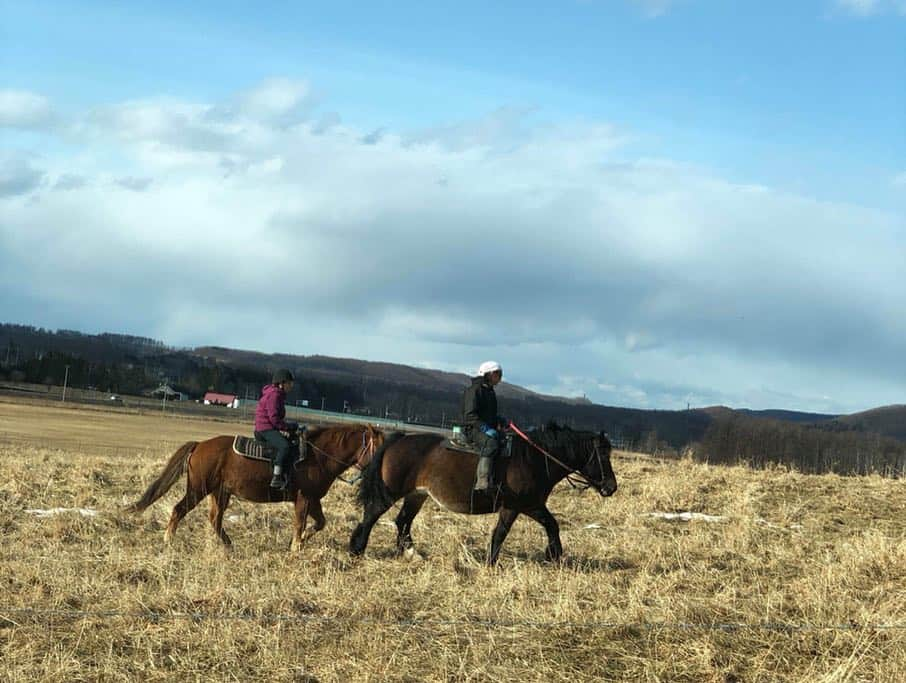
569, 443
337, 434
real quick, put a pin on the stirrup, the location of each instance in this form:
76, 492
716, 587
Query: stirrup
279, 482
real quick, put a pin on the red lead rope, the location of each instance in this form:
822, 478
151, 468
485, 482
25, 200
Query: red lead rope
516, 429
562, 464
572, 471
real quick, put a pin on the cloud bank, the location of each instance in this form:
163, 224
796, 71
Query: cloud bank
263, 222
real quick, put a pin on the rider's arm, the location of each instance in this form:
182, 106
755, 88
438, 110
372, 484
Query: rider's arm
276, 413
470, 408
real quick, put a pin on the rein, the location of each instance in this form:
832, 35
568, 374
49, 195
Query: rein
583, 481
366, 450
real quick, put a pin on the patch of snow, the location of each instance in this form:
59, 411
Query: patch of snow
687, 516
85, 512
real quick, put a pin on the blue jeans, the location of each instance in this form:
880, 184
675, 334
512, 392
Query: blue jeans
273, 437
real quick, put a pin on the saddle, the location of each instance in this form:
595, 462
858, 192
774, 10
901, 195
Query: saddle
249, 447
457, 443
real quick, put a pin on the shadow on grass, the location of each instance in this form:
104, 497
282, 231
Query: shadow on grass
577, 563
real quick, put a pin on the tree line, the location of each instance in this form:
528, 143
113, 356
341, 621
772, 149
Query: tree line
124, 364
737, 439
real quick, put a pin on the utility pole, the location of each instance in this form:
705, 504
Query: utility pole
65, 381
322, 403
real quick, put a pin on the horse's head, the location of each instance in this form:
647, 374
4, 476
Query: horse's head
597, 469
586, 454
347, 444
372, 439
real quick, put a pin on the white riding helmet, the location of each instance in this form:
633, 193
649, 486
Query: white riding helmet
489, 366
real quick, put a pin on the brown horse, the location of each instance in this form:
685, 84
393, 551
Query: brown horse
214, 469
416, 466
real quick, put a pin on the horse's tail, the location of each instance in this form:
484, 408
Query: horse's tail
171, 474
372, 488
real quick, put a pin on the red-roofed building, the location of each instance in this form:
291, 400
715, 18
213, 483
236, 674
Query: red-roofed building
212, 398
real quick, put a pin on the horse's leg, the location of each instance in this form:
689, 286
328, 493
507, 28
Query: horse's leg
300, 519
196, 490
544, 517
219, 502
180, 510
411, 506
317, 514
359, 539
505, 520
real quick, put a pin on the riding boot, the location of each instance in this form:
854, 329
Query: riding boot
278, 481
483, 473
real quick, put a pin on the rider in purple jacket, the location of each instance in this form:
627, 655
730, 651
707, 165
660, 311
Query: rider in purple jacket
270, 422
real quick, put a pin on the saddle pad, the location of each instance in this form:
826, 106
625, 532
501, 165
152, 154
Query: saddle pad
250, 448
455, 444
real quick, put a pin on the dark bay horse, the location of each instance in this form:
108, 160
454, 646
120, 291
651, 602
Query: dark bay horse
213, 468
413, 467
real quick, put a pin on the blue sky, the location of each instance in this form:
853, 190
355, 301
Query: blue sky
744, 142
700, 78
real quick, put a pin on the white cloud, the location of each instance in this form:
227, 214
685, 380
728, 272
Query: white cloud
654, 8
18, 176
860, 7
867, 8
646, 282
22, 109
69, 181
278, 100
134, 184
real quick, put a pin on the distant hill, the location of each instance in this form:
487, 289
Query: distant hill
888, 420
782, 415
128, 364
356, 370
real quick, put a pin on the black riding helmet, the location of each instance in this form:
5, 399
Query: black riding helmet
283, 375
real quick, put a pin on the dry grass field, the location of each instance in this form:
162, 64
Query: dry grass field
802, 578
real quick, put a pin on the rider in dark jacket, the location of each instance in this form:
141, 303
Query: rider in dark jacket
270, 423
481, 423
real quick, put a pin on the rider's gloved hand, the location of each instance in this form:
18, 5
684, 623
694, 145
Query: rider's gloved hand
489, 431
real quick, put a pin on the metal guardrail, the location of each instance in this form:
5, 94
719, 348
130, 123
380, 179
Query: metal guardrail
310, 415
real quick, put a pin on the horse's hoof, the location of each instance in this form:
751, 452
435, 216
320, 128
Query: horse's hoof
410, 554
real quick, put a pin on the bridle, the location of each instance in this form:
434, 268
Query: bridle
576, 478
366, 451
